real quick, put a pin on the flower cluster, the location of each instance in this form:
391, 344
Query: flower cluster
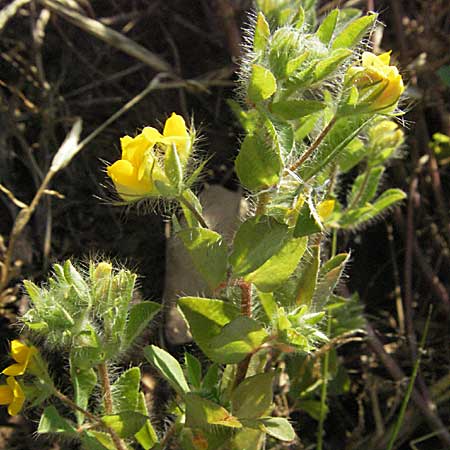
11, 393
141, 171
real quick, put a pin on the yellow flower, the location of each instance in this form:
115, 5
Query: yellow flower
376, 71
325, 209
11, 394
22, 354
134, 175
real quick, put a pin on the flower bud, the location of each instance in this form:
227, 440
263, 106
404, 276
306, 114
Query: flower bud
379, 85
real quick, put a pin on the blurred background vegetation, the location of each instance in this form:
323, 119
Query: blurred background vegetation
60, 60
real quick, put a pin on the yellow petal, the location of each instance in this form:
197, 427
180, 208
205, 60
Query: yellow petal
19, 351
127, 183
325, 208
134, 149
15, 370
6, 395
385, 58
18, 396
175, 126
152, 135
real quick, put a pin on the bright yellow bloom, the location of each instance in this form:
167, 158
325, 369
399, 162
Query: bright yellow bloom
11, 394
375, 70
22, 354
134, 175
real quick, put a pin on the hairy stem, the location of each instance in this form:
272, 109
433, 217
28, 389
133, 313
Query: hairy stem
314, 145
246, 310
106, 385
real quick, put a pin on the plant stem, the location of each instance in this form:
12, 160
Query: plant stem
246, 310
314, 145
192, 209
106, 385
118, 443
75, 407
246, 298
323, 391
263, 200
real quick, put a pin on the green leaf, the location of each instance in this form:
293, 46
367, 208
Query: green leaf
262, 84
277, 269
126, 424
269, 304
294, 64
194, 370
83, 381
281, 133
168, 366
253, 397
329, 276
326, 29
125, 390
52, 422
140, 315
191, 220
365, 187
219, 329
358, 216
387, 199
208, 252
308, 221
306, 126
97, 440
173, 167
308, 279
278, 427
202, 413
212, 378
352, 33
262, 33
237, 339
257, 240
146, 436
248, 118
351, 155
327, 66
207, 316
258, 163
295, 109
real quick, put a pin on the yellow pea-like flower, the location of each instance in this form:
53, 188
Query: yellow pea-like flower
134, 175
376, 71
22, 354
11, 394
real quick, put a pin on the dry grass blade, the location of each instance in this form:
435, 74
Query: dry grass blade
9, 11
108, 35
